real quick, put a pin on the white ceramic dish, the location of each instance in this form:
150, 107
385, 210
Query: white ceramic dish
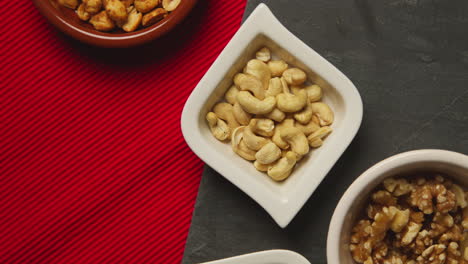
281, 200
265, 257
453, 164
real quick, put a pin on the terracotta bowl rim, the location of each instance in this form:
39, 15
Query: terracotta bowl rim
114, 40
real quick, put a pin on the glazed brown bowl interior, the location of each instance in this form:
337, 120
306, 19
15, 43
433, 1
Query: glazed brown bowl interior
67, 21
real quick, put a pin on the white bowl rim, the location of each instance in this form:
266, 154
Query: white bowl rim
346, 201
278, 256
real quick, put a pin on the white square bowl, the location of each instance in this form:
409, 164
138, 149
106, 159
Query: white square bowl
282, 200
265, 257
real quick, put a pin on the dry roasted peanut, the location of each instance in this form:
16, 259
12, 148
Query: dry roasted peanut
145, 6
296, 140
231, 95
225, 112
268, 154
246, 82
69, 3
288, 102
254, 105
218, 127
82, 14
305, 115
261, 167
116, 11
323, 112
102, 22
277, 67
238, 144
263, 54
170, 5
288, 122
241, 116
294, 76
282, 169
308, 129
314, 93
276, 115
127, 3
134, 20
92, 6
253, 141
262, 126
153, 17
275, 87
260, 70
315, 139
459, 195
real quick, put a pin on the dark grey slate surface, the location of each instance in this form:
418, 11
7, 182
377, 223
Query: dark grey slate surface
409, 60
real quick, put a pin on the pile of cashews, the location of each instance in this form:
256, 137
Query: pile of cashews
271, 116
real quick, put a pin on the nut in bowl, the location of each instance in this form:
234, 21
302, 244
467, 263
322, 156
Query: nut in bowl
236, 84
409, 208
271, 115
115, 23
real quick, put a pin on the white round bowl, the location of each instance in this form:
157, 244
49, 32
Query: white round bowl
453, 164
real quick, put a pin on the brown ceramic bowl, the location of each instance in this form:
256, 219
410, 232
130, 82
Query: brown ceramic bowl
66, 20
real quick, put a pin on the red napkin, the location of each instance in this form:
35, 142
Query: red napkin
93, 166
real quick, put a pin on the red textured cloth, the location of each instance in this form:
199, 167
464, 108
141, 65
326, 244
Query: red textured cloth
93, 166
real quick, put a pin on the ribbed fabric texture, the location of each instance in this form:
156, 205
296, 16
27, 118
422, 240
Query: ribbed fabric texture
93, 165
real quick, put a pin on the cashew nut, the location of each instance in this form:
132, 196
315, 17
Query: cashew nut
288, 122
315, 139
260, 167
82, 14
268, 154
260, 70
134, 20
305, 115
231, 95
145, 6
251, 83
116, 11
323, 112
92, 6
316, 143
253, 141
262, 126
153, 17
296, 139
225, 112
276, 115
263, 54
314, 93
288, 102
275, 87
241, 116
277, 67
308, 129
238, 144
294, 76
253, 105
102, 22
69, 3
170, 5
282, 169
218, 127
